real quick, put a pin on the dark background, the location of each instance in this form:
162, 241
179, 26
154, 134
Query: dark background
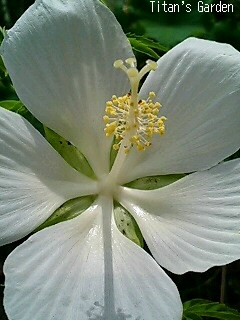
168, 29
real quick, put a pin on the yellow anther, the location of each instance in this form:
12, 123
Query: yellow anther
106, 119
162, 131
151, 105
147, 110
140, 147
116, 146
110, 128
134, 139
163, 118
152, 95
110, 111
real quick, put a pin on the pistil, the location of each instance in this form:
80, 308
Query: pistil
132, 120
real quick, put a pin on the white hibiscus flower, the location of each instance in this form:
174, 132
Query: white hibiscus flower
60, 56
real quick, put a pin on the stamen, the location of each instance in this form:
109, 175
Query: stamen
130, 119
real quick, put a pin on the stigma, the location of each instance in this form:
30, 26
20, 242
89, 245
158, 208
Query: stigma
133, 122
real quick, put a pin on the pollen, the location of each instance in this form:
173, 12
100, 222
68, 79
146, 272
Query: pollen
133, 121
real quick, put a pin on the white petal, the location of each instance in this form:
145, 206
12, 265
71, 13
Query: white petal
34, 179
194, 223
60, 58
83, 269
198, 84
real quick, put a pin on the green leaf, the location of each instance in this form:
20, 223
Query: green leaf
205, 308
2, 33
146, 46
148, 42
67, 211
104, 2
4, 77
169, 34
154, 182
15, 106
69, 153
127, 225
3, 71
192, 316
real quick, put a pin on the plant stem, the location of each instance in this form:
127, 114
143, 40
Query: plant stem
223, 284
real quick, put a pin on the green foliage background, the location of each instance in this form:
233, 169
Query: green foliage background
152, 34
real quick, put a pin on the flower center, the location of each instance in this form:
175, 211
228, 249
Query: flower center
107, 185
132, 119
